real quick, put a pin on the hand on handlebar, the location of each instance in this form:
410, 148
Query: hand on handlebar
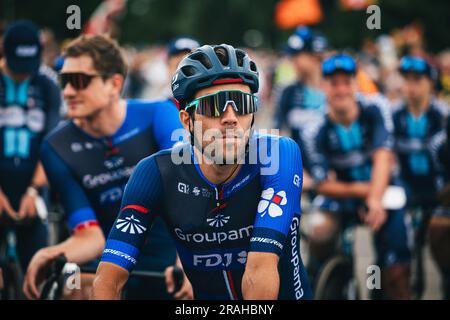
37, 271
185, 292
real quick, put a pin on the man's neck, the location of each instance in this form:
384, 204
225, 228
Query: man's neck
417, 107
106, 122
345, 118
217, 174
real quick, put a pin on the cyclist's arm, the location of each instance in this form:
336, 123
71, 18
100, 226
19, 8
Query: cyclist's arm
338, 189
108, 282
122, 249
87, 240
261, 279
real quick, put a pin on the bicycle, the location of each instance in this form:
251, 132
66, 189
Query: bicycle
335, 279
60, 269
10, 266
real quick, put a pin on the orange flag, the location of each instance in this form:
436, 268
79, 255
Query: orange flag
291, 13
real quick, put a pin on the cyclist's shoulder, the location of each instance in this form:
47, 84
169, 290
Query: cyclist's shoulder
372, 102
62, 129
148, 106
440, 107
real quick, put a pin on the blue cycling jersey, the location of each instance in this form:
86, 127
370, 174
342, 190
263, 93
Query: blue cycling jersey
215, 226
28, 110
414, 138
299, 105
89, 174
347, 150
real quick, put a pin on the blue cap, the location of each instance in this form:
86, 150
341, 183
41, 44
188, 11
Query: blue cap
338, 63
182, 44
22, 47
416, 65
305, 40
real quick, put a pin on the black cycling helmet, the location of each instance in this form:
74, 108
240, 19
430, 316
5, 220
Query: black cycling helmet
203, 68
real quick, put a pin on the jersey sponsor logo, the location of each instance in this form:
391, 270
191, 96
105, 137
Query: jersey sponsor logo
120, 254
130, 225
240, 183
218, 221
111, 195
16, 117
218, 237
271, 203
26, 51
297, 181
90, 181
196, 191
295, 258
214, 260
183, 188
114, 162
268, 241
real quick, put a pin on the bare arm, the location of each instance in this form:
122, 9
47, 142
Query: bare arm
109, 282
261, 280
381, 172
337, 189
85, 245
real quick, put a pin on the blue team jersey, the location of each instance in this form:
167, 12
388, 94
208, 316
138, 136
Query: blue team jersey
28, 111
215, 226
348, 150
89, 174
414, 139
297, 107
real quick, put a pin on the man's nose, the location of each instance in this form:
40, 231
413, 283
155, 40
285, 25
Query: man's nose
68, 90
229, 117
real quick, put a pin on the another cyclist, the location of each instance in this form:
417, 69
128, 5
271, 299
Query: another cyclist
418, 124
90, 158
354, 142
302, 102
29, 108
439, 226
236, 226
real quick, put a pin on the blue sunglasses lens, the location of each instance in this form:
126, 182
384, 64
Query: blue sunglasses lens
342, 63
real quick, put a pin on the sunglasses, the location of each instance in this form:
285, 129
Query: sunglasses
78, 80
338, 63
214, 105
413, 64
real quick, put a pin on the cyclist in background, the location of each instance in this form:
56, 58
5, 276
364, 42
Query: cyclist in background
439, 226
302, 102
419, 123
89, 159
236, 225
354, 143
29, 108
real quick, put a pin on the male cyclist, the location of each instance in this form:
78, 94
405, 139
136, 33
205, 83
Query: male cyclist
89, 159
419, 123
302, 101
353, 141
29, 108
235, 225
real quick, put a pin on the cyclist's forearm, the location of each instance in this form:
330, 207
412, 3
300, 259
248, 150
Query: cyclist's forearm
83, 246
337, 189
381, 172
261, 280
39, 177
109, 282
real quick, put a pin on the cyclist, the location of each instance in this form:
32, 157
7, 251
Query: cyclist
353, 142
29, 108
302, 101
439, 226
89, 159
236, 226
418, 123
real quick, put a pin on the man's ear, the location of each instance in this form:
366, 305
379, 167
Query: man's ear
118, 82
185, 118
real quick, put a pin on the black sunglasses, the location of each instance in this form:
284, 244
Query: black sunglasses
78, 80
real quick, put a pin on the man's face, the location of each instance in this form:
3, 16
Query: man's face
306, 63
340, 89
96, 96
417, 87
228, 134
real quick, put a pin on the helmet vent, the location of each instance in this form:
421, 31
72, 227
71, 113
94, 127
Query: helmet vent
202, 58
222, 55
188, 71
240, 57
253, 66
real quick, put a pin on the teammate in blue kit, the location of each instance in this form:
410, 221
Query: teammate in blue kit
29, 109
354, 141
235, 224
90, 158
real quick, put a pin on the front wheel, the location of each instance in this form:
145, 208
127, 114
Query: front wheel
336, 280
